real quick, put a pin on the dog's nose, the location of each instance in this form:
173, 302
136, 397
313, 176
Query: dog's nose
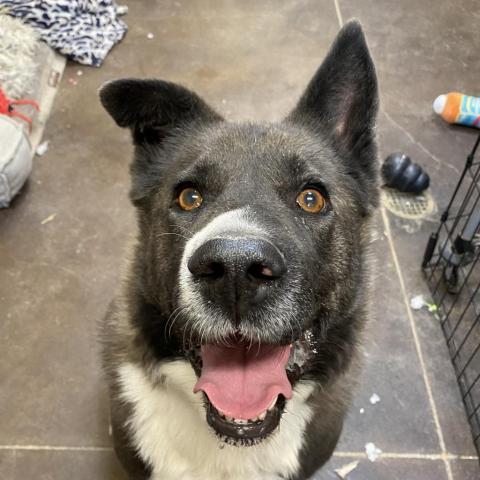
237, 272
237, 259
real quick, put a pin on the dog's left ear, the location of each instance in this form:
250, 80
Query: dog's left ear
341, 100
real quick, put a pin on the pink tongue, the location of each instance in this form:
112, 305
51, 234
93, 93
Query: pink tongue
243, 382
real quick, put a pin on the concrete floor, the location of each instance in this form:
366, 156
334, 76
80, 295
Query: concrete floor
250, 60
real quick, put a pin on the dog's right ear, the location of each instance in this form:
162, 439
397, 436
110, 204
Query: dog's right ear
153, 108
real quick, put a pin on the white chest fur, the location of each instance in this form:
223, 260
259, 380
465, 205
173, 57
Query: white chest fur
171, 433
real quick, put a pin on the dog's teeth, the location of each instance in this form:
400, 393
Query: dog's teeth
228, 419
223, 415
255, 419
240, 421
274, 401
262, 415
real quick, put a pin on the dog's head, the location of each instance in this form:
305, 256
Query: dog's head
252, 237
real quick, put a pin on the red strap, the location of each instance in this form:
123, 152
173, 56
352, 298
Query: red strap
7, 107
32, 103
4, 103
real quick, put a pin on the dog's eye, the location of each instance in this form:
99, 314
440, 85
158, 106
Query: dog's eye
311, 200
189, 199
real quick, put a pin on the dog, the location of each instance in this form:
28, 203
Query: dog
233, 348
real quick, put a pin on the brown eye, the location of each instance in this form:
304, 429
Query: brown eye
311, 200
189, 199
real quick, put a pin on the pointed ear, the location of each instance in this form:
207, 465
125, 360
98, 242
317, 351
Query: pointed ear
341, 100
152, 108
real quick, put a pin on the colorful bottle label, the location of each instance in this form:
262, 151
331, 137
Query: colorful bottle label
469, 111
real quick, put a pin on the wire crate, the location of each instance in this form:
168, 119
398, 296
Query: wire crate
452, 268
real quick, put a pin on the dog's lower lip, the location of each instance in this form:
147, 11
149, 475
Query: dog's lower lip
246, 432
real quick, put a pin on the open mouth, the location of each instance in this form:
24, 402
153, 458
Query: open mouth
245, 387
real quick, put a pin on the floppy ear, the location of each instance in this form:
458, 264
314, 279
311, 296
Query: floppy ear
341, 100
152, 108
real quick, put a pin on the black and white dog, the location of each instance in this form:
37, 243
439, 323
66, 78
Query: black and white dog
232, 350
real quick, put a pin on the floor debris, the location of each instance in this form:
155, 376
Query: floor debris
418, 302
432, 307
362, 411
42, 148
344, 471
372, 451
122, 10
150, 36
48, 219
374, 399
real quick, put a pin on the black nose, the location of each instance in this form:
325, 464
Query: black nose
237, 273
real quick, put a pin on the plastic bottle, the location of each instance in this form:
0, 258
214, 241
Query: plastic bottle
458, 108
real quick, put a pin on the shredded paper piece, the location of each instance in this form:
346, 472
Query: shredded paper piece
42, 148
372, 451
343, 472
418, 302
48, 219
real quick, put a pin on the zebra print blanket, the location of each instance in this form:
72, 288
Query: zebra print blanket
83, 30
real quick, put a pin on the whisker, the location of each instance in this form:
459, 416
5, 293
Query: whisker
202, 333
183, 228
185, 327
168, 320
173, 233
175, 319
191, 334
259, 343
251, 342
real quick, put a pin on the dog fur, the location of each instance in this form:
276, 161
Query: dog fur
249, 175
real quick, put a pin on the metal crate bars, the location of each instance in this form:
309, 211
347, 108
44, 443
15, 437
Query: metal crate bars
452, 269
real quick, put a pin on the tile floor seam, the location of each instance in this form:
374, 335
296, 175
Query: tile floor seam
59, 448
418, 345
339, 454
338, 12
409, 456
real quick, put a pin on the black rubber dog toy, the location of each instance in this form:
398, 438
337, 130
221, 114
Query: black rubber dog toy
400, 172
